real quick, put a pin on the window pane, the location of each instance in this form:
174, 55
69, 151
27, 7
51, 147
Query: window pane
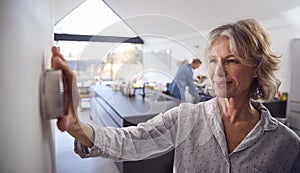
102, 63
93, 17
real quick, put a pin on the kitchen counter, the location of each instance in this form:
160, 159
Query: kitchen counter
133, 110
112, 108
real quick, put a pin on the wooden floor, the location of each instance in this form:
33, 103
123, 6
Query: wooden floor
67, 161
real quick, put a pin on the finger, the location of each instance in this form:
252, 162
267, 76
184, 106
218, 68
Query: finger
66, 103
59, 63
55, 52
63, 123
68, 75
66, 84
69, 81
75, 92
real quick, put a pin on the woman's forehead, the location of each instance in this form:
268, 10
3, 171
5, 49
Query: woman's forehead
220, 46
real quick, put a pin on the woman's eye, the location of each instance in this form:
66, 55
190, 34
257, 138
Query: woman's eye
212, 60
232, 61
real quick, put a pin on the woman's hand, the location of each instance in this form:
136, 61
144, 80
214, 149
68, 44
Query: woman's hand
71, 92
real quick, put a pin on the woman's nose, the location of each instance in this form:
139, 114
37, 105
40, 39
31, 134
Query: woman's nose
219, 70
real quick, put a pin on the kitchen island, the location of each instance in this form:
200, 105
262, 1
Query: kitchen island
112, 108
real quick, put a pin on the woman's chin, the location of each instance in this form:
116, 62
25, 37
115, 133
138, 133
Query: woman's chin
221, 94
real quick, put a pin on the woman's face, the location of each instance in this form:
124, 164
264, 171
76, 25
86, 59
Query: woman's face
229, 76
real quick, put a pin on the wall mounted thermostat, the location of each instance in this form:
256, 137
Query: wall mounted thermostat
51, 94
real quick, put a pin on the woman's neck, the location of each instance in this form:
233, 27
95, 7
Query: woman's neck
237, 110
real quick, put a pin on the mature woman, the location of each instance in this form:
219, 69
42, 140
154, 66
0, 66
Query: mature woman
232, 132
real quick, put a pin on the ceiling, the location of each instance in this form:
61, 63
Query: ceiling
176, 17
64, 7
204, 14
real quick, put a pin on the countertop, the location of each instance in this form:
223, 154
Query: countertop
135, 109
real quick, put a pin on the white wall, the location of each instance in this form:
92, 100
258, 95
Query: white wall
26, 37
282, 33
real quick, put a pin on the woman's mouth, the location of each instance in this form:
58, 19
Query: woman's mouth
222, 83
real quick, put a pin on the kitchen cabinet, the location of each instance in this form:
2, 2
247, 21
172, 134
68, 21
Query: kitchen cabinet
112, 108
276, 107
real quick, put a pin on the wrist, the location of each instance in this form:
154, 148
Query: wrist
74, 125
82, 132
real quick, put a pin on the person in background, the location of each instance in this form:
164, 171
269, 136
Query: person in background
184, 78
232, 132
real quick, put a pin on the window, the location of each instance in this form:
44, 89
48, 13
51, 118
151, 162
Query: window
99, 62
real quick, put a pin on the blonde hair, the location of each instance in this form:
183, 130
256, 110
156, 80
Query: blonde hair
250, 41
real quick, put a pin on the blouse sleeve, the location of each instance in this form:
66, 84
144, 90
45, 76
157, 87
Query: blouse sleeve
155, 136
